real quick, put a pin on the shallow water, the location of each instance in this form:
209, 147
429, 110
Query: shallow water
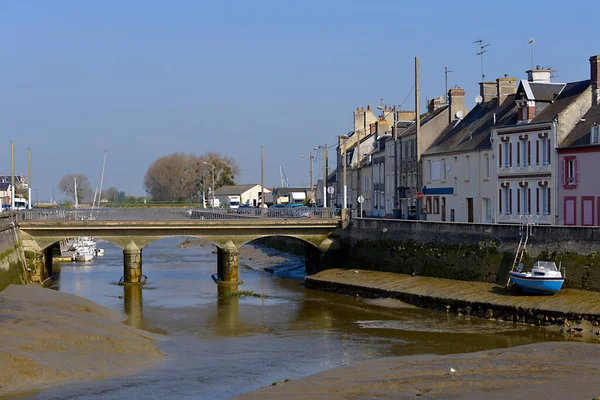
219, 347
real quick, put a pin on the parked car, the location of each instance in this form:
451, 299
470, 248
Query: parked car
278, 210
301, 212
293, 205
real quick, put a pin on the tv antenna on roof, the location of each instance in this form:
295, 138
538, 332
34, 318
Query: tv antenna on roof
482, 50
446, 72
531, 43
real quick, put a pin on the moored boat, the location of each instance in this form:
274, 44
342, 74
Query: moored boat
544, 278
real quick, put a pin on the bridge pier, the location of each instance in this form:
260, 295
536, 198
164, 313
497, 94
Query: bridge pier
132, 263
326, 256
227, 263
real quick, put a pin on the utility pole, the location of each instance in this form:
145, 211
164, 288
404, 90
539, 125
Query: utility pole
262, 177
12, 175
30, 202
418, 132
325, 176
345, 161
395, 141
312, 157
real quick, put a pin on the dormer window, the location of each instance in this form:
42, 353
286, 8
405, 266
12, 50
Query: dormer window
595, 135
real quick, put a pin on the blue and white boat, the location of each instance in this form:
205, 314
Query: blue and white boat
544, 278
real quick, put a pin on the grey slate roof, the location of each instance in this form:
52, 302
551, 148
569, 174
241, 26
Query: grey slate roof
234, 190
566, 97
580, 135
4, 186
546, 91
474, 130
424, 120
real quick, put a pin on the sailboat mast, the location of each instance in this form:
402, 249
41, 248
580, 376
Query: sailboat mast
102, 179
75, 186
281, 175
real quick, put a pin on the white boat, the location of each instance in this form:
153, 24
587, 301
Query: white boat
84, 255
544, 278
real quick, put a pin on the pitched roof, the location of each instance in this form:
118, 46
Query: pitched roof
474, 130
234, 190
424, 120
545, 91
564, 99
4, 186
580, 135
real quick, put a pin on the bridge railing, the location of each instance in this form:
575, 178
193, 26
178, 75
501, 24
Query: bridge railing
171, 214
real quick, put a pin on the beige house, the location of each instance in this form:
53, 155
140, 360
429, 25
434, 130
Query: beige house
459, 173
410, 148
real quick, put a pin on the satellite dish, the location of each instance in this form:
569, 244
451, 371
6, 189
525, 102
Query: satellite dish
459, 114
478, 99
443, 99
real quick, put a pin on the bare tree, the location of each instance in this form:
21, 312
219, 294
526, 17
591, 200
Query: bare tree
67, 186
110, 194
180, 176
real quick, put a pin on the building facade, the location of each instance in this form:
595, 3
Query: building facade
459, 171
527, 160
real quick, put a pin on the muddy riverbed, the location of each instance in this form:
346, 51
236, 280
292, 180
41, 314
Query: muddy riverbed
218, 347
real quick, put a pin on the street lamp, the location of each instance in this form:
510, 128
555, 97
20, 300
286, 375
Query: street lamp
212, 169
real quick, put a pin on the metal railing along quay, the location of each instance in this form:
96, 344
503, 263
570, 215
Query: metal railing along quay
171, 214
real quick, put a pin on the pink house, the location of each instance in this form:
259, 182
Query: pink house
579, 159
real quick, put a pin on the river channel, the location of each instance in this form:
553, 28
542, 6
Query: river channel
219, 347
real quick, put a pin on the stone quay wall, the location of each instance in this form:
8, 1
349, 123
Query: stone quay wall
467, 251
13, 265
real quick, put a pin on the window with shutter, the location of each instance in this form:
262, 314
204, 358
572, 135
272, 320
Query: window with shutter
528, 153
548, 148
529, 201
510, 201
587, 211
500, 201
537, 152
500, 155
519, 201
549, 197
570, 210
537, 200
510, 155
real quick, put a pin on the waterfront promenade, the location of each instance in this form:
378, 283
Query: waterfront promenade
474, 298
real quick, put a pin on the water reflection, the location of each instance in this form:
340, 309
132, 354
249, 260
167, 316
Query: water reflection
228, 308
132, 305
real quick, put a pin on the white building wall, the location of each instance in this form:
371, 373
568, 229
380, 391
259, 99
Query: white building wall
469, 181
389, 177
527, 181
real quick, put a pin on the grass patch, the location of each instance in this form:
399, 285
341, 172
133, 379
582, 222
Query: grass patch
245, 293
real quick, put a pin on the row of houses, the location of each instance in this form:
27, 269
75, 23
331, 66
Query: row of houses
526, 151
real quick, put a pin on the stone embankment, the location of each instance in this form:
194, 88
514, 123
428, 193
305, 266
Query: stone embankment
470, 252
13, 266
574, 310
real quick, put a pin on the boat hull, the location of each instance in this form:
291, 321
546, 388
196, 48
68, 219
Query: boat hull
541, 285
83, 257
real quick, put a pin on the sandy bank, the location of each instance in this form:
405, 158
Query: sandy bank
538, 371
49, 337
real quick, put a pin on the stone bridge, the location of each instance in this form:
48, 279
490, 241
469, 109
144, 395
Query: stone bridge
321, 238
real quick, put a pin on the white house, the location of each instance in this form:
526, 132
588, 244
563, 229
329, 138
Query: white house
459, 173
249, 194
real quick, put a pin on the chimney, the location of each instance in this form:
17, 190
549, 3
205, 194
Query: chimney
505, 87
434, 104
456, 98
488, 91
539, 75
405, 116
595, 78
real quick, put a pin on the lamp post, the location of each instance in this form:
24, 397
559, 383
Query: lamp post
212, 170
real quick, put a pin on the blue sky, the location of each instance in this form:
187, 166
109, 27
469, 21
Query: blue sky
143, 79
